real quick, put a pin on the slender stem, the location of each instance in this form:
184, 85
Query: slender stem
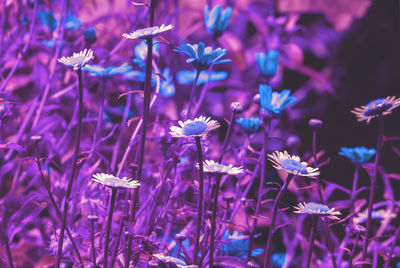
109, 221
46, 184
311, 240
146, 112
8, 249
203, 92
372, 189
353, 251
316, 164
267, 125
228, 135
192, 93
214, 218
350, 223
200, 202
396, 237
273, 219
92, 239
74, 170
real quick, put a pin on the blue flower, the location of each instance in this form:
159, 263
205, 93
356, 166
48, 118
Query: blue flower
376, 108
187, 77
135, 75
237, 245
249, 125
90, 36
72, 22
357, 155
318, 209
268, 63
141, 53
202, 57
217, 21
272, 103
97, 70
52, 42
48, 19
278, 259
167, 87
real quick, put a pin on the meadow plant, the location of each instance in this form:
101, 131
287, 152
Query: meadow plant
247, 148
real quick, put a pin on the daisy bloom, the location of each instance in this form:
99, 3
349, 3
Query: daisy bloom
292, 164
148, 32
115, 182
211, 166
194, 128
357, 155
273, 103
313, 208
78, 60
375, 108
378, 215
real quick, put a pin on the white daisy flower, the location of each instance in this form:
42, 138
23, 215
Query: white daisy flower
148, 32
194, 128
211, 166
375, 108
313, 208
78, 60
115, 182
292, 164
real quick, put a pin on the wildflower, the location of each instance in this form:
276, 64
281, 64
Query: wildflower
357, 155
236, 107
292, 164
375, 108
313, 208
217, 21
278, 259
202, 57
72, 22
210, 166
272, 103
249, 125
97, 70
194, 128
52, 43
90, 36
115, 182
268, 63
378, 215
148, 32
167, 87
187, 77
237, 245
92, 218
315, 123
48, 19
78, 60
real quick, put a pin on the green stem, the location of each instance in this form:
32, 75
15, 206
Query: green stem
311, 240
353, 251
74, 170
109, 222
200, 202
214, 219
92, 240
53, 202
273, 219
146, 114
373, 185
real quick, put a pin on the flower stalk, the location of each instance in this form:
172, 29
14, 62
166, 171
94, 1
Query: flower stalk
192, 92
74, 168
273, 219
311, 240
200, 202
53, 201
109, 222
213, 219
373, 186
353, 251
